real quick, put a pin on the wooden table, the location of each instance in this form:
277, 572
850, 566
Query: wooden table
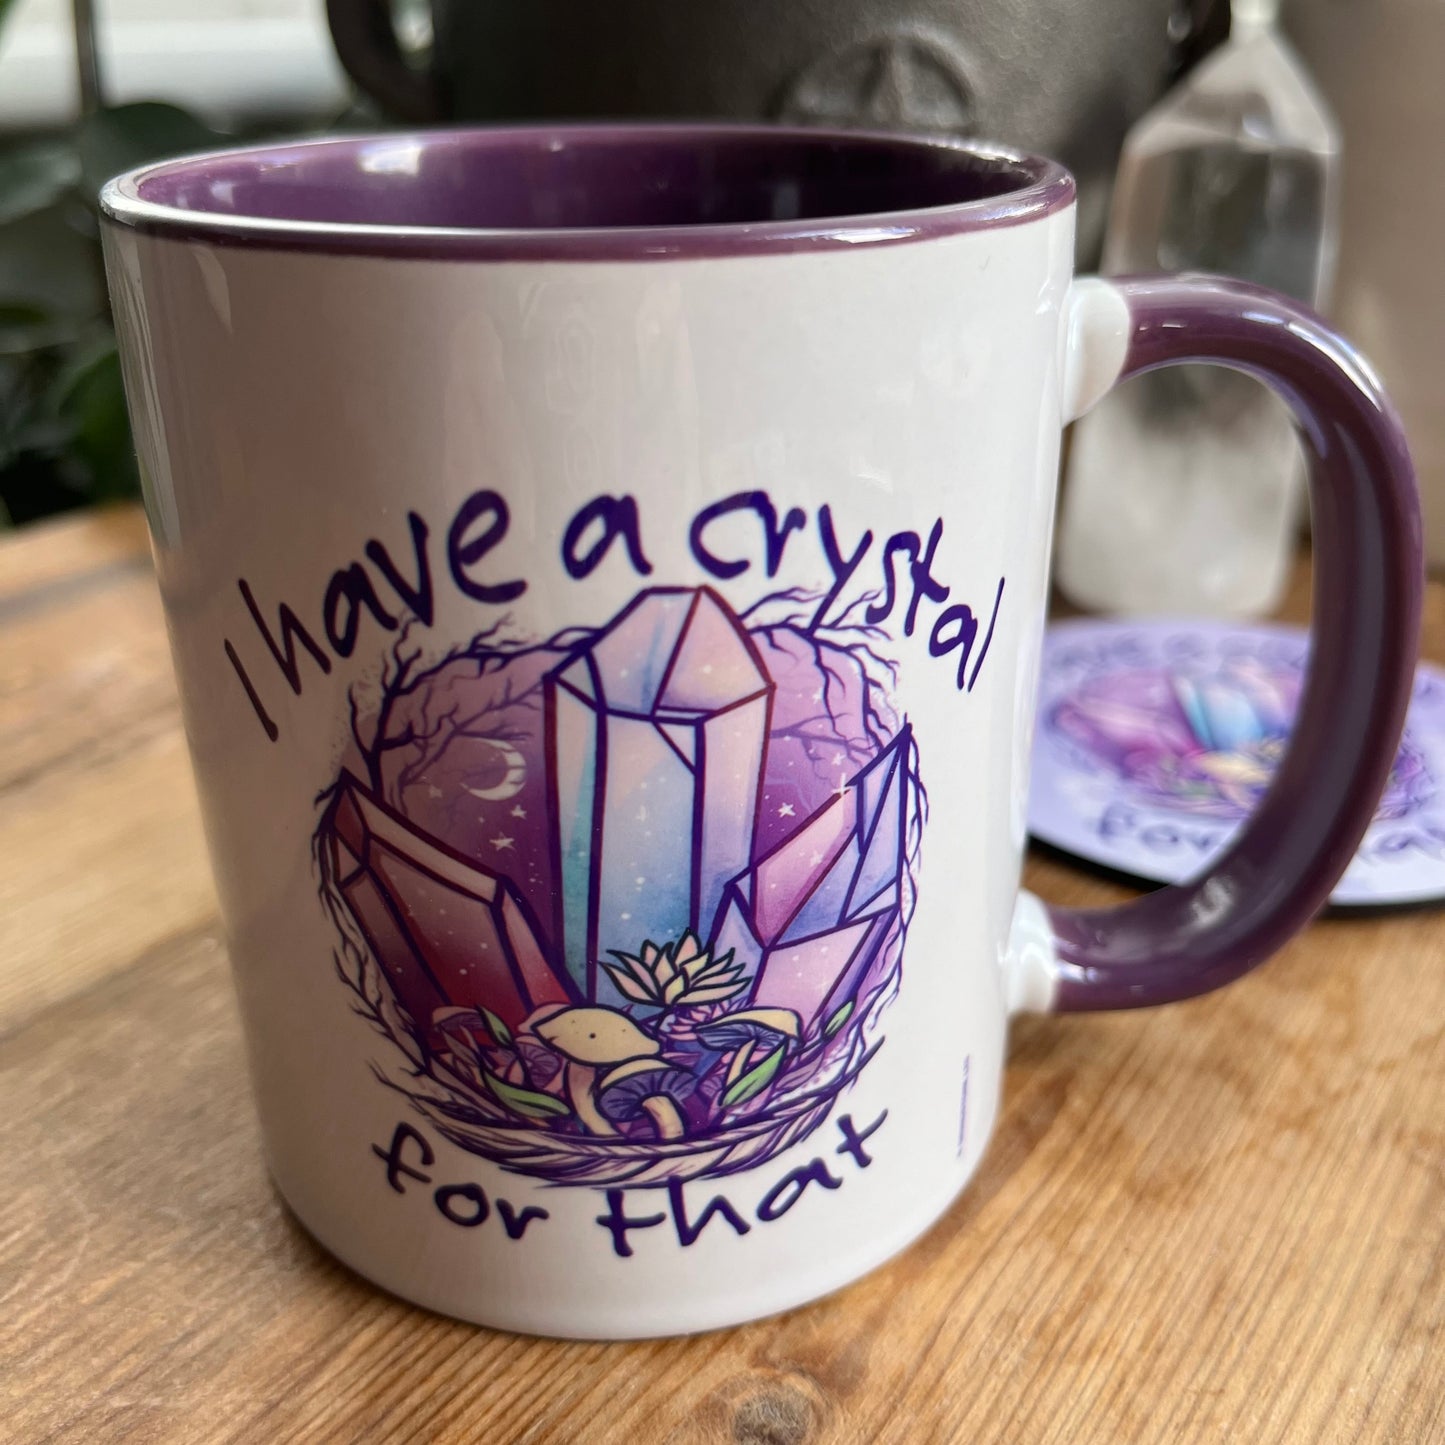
1221, 1221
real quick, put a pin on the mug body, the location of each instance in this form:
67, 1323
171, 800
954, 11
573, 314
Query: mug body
608, 656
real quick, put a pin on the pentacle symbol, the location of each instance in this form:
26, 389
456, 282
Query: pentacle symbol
903, 79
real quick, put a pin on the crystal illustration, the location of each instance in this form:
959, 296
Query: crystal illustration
639, 892
808, 920
450, 934
657, 728
1204, 740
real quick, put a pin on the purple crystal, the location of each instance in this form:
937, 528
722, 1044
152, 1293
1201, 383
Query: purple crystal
446, 932
810, 917
656, 731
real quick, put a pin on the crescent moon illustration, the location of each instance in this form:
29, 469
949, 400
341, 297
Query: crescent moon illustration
511, 781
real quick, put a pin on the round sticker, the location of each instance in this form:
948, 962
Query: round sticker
1155, 740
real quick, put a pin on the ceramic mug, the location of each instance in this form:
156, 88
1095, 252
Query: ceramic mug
606, 570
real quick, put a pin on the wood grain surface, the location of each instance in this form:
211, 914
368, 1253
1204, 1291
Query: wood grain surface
1221, 1221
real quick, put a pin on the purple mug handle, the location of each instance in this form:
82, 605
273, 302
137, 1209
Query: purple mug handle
1368, 589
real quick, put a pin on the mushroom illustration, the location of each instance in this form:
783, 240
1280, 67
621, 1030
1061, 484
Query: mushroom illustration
541, 1063
586, 1038
465, 1025
460, 1034
748, 1031
646, 1086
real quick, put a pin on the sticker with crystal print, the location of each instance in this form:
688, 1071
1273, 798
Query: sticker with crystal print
1156, 739
628, 904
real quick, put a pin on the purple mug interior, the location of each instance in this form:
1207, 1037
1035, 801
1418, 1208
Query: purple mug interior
590, 190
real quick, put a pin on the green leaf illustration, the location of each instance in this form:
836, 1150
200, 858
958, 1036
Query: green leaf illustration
837, 1020
526, 1102
498, 1029
755, 1080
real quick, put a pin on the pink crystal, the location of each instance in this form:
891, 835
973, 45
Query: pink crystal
446, 932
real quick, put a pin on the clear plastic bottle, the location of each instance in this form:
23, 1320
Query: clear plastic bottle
1183, 490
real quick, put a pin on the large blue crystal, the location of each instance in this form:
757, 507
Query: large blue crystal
656, 730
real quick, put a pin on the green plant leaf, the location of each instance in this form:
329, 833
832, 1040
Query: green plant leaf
42, 435
120, 137
90, 398
49, 264
526, 1102
498, 1029
35, 175
838, 1019
32, 487
756, 1079
26, 329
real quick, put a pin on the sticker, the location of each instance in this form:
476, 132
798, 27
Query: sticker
1155, 740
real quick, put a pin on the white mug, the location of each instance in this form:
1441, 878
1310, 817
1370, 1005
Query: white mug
606, 570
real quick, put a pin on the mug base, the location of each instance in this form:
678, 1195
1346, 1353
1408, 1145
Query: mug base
667, 1319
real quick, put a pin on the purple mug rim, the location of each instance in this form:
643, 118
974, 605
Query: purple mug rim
1045, 188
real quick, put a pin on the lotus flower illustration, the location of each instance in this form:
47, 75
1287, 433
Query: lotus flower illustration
680, 975
631, 900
